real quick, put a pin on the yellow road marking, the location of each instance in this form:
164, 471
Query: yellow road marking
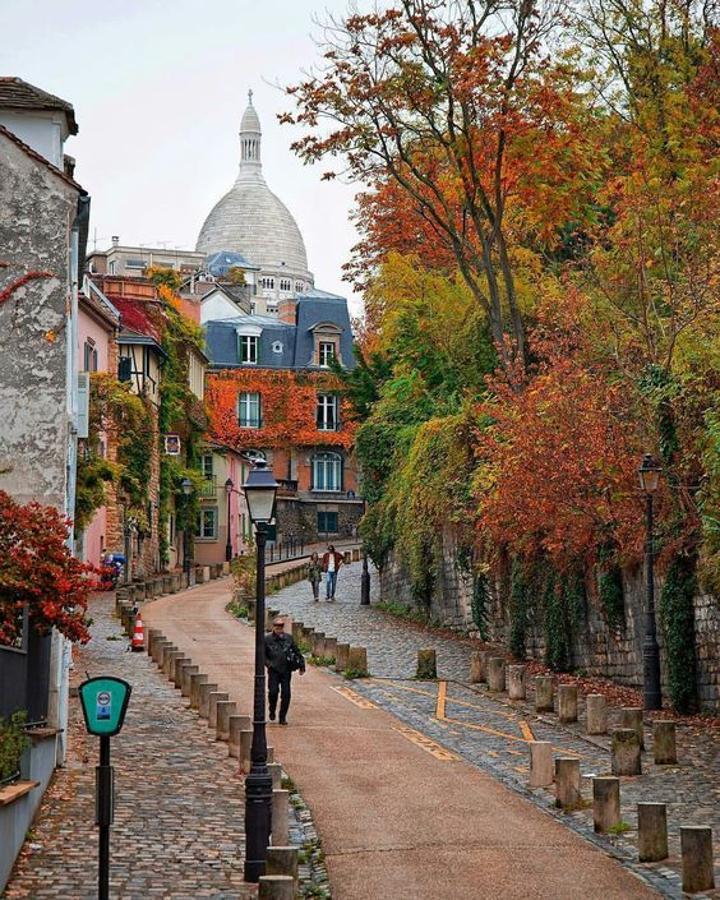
441, 697
357, 699
417, 737
527, 731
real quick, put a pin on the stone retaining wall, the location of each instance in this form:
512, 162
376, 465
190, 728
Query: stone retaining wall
596, 648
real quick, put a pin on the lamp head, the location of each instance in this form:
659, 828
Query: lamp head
187, 486
229, 486
260, 490
649, 473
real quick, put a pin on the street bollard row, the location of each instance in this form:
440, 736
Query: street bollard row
281, 878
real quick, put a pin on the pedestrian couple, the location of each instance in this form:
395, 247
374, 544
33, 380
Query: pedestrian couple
329, 567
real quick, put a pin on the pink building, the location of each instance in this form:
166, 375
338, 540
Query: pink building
98, 323
214, 529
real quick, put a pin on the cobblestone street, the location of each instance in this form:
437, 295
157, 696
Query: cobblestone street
491, 733
178, 829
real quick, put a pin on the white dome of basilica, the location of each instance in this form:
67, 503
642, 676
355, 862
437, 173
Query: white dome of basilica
251, 220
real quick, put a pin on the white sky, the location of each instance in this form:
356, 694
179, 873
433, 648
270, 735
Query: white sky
159, 87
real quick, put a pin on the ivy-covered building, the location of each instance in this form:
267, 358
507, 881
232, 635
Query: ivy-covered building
273, 342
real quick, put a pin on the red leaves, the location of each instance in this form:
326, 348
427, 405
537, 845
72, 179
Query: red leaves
7, 292
37, 571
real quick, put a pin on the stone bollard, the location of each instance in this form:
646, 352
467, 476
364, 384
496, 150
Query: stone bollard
625, 753
206, 574
213, 700
282, 861
697, 858
270, 755
516, 682
632, 717
187, 673
341, 657
567, 703
543, 693
168, 659
308, 632
204, 691
426, 665
331, 647
318, 644
496, 673
157, 648
664, 746
224, 709
567, 782
151, 635
180, 663
280, 829
596, 714
245, 747
606, 802
652, 832
174, 584
235, 725
196, 680
164, 649
357, 660
168, 584
251, 606
477, 673
541, 764
297, 631
276, 887
275, 770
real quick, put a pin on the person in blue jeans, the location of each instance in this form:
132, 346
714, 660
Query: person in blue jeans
331, 562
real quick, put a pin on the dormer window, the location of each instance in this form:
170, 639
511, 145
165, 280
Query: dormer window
326, 353
248, 349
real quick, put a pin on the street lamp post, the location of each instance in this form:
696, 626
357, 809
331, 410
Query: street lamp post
649, 473
260, 490
365, 577
228, 544
187, 487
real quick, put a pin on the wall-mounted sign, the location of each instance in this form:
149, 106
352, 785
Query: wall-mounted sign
172, 444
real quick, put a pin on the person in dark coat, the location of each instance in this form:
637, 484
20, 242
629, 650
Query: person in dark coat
279, 648
331, 562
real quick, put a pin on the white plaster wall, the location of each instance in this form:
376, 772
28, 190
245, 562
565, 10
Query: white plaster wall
43, 131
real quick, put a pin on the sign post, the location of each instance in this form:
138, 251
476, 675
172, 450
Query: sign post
104, 703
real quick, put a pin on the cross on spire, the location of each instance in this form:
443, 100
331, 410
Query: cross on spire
250, 95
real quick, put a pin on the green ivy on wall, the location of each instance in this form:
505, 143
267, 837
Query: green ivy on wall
519, 609
678, 624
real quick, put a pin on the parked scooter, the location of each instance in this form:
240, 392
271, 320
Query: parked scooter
114, 566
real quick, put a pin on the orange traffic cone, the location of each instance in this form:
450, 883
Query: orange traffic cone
138, 638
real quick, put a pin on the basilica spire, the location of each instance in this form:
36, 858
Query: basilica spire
250, 136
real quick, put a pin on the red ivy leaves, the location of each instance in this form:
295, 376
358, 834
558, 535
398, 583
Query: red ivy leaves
38, 571
7, 292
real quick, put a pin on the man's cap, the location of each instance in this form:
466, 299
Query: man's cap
278, 621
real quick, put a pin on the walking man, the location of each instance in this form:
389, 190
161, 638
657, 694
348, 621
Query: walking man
282, 658
331, 562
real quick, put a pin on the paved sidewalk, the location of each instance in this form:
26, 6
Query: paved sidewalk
178, 829
398, 815
489, 733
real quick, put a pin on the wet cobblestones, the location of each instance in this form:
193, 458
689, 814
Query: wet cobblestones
488, 731
178, 830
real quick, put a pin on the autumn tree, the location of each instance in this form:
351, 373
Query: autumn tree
466, 134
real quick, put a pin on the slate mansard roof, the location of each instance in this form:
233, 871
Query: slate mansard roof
282, 345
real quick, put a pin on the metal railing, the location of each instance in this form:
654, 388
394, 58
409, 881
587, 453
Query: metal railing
291, 548
209, 487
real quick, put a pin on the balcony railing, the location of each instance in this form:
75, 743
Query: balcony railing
208, 491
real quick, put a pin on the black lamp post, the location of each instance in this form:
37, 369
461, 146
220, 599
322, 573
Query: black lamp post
187, 487
649, 473
260, 489
228, 544
365, 577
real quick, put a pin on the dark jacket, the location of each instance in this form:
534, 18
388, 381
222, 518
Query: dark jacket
339, 559
276, 650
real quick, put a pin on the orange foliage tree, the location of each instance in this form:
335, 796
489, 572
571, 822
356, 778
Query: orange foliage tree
288, 402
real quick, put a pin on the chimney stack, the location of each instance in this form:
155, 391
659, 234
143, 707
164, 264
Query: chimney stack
286, 310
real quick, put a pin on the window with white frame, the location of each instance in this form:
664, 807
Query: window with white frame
90, 356
267, 283
249, 409
207, 524
327, 472
248, 348
326, 353
285, 284
327, 412
206, 463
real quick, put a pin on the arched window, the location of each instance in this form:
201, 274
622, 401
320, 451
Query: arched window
327, 471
